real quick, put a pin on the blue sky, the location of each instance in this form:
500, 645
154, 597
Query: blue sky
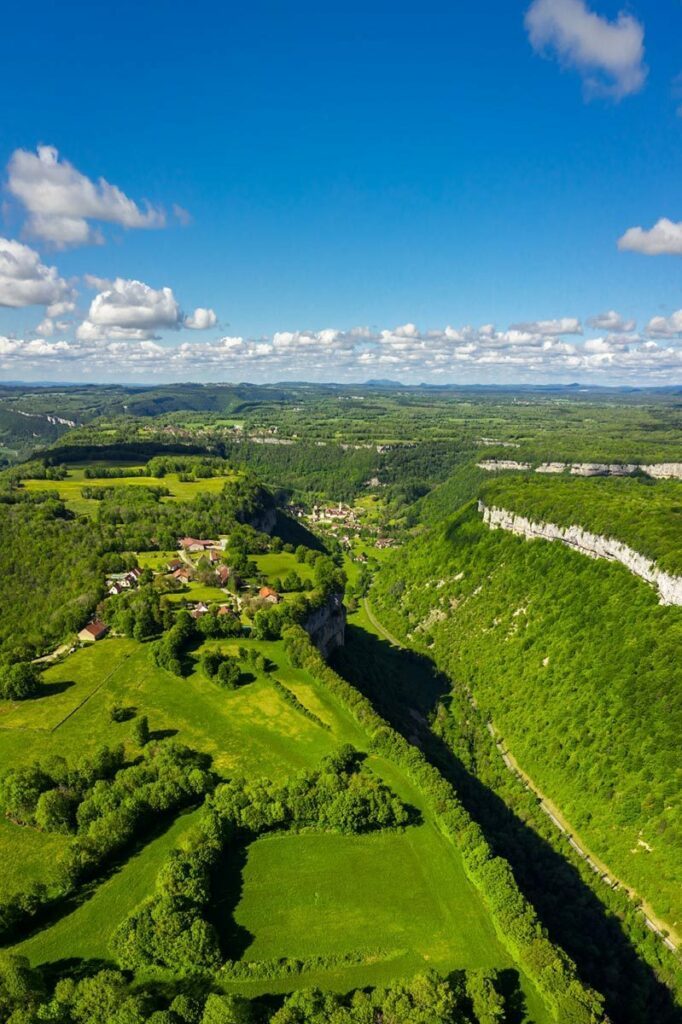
400, 169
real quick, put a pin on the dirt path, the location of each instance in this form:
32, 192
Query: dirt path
381, 630
57, 653
665, 932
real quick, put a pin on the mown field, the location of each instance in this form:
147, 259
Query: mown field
70, 489
403, 895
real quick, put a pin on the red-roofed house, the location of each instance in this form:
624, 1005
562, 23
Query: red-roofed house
223, 574
192, 544
268, 594
94, 630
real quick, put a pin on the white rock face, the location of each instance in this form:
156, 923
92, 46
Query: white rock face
602, 469
665, 470
591, 544
493, 464
660, 470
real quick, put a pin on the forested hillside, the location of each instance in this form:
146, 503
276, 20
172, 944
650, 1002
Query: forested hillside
54, 564
575, 662
642, 513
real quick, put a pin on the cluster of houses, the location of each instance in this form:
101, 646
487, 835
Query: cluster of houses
335, 514
117, 582
200, 609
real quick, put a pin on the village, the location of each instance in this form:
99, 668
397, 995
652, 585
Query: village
200, 568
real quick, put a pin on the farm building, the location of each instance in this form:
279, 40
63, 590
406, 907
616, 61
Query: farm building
192, 544
94, 630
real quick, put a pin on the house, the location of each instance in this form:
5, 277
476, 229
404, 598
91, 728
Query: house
269, 595
122, 578
199, 610
225, 610
133, 576
192, 544
175, 565
223, 573
384, 542
116, 588
94, 630
213, 556
184, 574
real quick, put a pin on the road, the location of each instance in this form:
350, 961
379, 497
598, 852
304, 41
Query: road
668, 935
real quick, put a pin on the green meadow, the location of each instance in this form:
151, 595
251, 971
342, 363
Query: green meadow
70, 489
403, 896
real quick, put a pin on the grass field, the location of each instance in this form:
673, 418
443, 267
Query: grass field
84, 933
27, 856
196, 592
280, 563
70, 489
320, 895
401, 892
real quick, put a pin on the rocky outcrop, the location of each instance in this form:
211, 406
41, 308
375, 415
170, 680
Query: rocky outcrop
326, 626
603, 469
492, 465
659, 470
665, 470
591, 544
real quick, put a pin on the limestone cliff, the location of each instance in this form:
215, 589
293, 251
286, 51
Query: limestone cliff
660, 470
591, 544
326, 626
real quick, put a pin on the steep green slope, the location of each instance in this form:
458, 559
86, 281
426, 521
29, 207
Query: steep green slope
577, 665
645, 514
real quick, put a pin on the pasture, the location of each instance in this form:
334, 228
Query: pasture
400, 897
324, 895
70, 489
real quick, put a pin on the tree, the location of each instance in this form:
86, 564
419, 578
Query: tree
19, 681
55, 810
228, 674
226, 1010
211, 661
141, 731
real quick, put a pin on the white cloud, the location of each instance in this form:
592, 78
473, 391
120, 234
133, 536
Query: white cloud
666, 327
61, 201
25, 281
664, 238
125, 349
611, 321
201, 319
131, 310
564, 325
608, 54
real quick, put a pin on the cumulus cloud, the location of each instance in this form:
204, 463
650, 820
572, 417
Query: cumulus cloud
611, 321
608, 54
201, 319
132, 310
663, 239
450, 354
666, 326
26, 281
564, 325
61, 202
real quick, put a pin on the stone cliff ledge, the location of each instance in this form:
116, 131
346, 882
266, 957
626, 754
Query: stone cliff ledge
591, 544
